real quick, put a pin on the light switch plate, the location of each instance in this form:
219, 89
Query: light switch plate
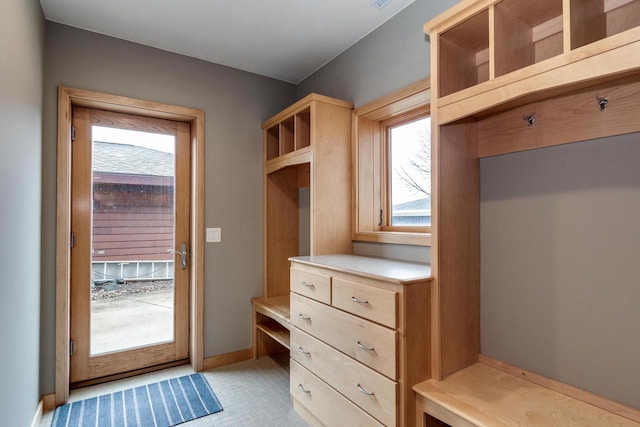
214, 235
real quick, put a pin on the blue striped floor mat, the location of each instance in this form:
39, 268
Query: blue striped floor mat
162, 404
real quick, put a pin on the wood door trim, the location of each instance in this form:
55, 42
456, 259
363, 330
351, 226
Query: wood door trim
67, 99
133, 122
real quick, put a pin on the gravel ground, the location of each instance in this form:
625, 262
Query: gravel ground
114, 290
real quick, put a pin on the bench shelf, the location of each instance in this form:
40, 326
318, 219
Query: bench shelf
481, 395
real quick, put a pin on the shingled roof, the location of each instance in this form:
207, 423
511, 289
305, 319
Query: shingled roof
126, 159
424, 203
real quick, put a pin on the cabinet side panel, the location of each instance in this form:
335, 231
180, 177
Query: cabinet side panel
415, 345
281, 207
459, 247
331, 180
457, 68
588, 22
514, 43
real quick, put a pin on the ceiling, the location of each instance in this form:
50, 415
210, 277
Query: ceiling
284, 39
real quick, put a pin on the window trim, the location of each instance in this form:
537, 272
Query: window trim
370, 184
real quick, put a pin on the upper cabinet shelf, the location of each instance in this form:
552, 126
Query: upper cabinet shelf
288, 135
485, 45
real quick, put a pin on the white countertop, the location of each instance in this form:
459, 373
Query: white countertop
401, 272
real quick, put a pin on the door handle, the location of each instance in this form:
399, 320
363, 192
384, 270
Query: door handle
183, 254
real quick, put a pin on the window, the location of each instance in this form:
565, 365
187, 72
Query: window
408, 150
392, 176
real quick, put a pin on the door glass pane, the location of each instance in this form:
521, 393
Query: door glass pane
132, 286
410, 153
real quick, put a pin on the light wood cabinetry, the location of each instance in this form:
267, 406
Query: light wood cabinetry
482, 395
365, 341
508, 76
316, 397
306, 151
310, 285
347, 376
368, 343
490, 55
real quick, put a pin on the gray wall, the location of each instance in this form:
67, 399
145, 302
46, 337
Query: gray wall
391, 57
235, 103
560, 263
21, 50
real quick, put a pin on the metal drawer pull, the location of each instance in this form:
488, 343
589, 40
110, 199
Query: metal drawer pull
302, 389
304, 316
301, 350
364, 347
363, 391
307, 285
359, 301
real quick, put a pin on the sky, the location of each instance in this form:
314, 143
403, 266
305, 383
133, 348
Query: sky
405, 144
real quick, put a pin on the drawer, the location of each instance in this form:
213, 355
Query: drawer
375, 304
371, 391
316, 286
365, 341
326, 404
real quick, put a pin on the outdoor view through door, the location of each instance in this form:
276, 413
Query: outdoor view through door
132, 259
130, 221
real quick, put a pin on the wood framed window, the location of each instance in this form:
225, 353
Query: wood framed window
392, 158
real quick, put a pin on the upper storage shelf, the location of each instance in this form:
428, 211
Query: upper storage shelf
291, 134
485, 45
288, 135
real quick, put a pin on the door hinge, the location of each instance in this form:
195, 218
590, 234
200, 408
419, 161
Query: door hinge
72, 347
73, 133
72, 239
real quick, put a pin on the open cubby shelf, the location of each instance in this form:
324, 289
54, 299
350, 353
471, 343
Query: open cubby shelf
290, 134
464, 54
510, 35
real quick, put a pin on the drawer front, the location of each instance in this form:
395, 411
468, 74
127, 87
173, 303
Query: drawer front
326, 404
371, 391
367, 342
375, 304
315, 286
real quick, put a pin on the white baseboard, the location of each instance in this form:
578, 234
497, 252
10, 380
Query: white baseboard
37, 416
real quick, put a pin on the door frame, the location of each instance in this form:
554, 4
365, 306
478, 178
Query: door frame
67, 99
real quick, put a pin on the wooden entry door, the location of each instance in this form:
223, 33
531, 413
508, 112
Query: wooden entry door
130, 243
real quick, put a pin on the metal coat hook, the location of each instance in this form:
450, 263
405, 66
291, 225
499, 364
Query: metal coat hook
530, 119
602, 102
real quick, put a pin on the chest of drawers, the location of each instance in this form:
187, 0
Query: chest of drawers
359, 339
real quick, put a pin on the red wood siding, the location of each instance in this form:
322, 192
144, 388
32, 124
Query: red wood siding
132, 222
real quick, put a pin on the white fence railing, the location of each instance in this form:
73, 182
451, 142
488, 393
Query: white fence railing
102, 271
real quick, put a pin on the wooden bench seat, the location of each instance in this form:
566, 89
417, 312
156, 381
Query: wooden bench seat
271, 319
481, 395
